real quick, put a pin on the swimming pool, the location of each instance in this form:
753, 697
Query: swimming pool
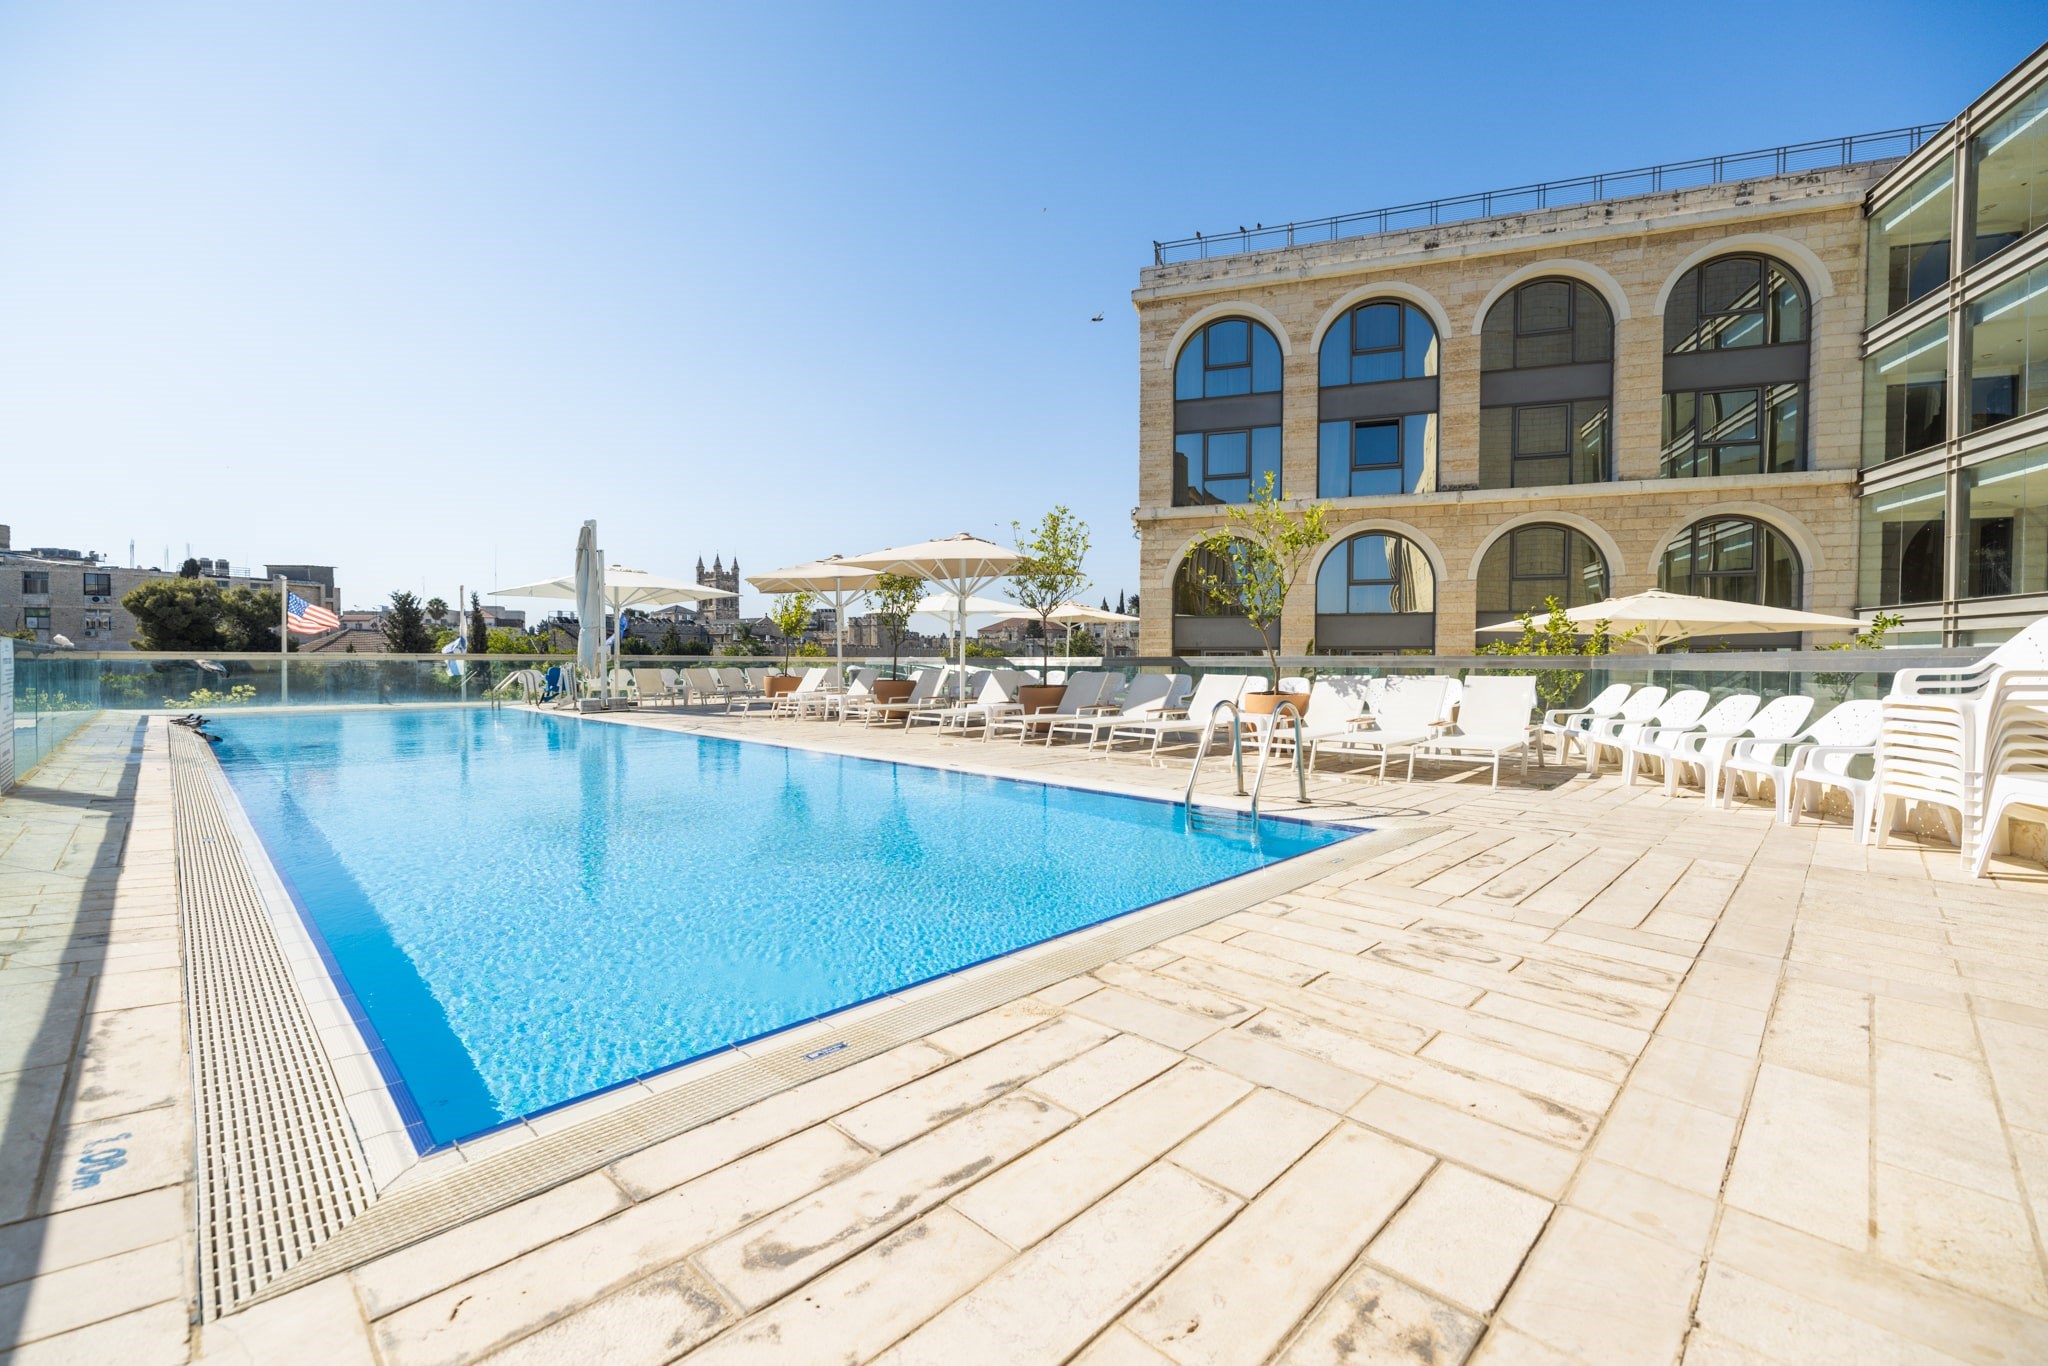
525, 909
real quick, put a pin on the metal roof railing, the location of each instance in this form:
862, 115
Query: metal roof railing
1553, 194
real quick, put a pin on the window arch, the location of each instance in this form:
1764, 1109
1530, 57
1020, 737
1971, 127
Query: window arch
1736, 559
1378, 402
1375, 592
1203, 624
1546, 386
1226, 413
1531, 564
1735, 363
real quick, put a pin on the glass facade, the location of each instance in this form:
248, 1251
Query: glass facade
2005, 513
1736, 559
1733, 431
1373, 573
1543, 443
1226, 389
1379, 341
1910, 235
2007, 163
1224, 467
2008, 350
1234, 356
1732, 302
1905, 395
1546, 322
1376, 456
1532, 564
1902, 544
1554, 425
1192, 595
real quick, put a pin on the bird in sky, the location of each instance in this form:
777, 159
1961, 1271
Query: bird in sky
1096, 319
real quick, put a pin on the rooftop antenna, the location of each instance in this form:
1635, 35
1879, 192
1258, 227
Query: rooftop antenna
131, 552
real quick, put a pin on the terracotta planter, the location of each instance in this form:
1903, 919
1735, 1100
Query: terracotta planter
893, 689
780, 684
1037, 697
1266, 703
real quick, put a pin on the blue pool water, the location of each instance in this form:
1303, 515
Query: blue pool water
526, 908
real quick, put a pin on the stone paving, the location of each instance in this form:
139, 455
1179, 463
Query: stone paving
1589, 1075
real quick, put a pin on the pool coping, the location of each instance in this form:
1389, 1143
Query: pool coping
420, 1195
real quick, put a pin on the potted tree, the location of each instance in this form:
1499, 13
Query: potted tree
1266, 547
792, 617
894, 596
1048, 577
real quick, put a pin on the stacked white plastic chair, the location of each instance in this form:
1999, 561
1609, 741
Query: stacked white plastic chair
1707, 749
1660, 744
1572, 723
1850, 729
1617, 733
1940, 733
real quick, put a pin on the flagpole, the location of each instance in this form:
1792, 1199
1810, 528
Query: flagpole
284, 640
462, 633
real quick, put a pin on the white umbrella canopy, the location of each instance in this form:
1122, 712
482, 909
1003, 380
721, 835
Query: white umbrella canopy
1081, 612
831, 578
962, 565
1666, 618
947, 606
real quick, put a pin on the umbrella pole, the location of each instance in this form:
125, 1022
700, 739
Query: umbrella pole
961, 682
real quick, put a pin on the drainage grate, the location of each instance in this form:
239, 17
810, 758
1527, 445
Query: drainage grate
279, 1170
409, 1213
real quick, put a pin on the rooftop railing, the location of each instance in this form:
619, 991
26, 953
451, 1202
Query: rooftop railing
1826, 154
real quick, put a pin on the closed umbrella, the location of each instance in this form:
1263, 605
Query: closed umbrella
831, 578
1665, 618
590, 605
961, 565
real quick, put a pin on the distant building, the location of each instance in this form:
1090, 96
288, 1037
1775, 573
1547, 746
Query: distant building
718, 576
55, 592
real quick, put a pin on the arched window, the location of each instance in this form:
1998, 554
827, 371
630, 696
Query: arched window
1736, 559
1532, 564
1226, 414
1378, 404
1375, 592
1546, 386
1204, 623
1735, 357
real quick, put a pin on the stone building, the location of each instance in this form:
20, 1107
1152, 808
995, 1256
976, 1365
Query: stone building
716, 610
1650, 387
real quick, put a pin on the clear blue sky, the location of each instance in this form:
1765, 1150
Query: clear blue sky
413, 288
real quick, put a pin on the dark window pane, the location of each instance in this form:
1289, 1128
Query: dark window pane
1230, 342
1376, 443
1732, 284
1543, 430
1265, 363
1377, 327
1545, 306
1229, 454
1370, 367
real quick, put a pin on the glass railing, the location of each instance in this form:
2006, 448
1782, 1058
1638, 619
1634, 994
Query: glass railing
55, 692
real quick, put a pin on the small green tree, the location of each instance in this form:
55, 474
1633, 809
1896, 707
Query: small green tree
1051, 574
745, 644
405, 626
189, 569
249, 618
671, 642
1266, 547
1871, 637
1554, 634
895, 597
176, 614
791, 614
479, 626
437, 609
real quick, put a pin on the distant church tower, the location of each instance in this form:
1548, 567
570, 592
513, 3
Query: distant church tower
718, 576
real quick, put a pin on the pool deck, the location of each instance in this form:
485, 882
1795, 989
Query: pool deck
1585, 1074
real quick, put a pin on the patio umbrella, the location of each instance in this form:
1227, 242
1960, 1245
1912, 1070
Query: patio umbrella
947, 608
1669, 617
962, 565
831, 578
1078, 613
590, 605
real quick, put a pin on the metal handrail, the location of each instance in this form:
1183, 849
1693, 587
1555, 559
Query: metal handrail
1187, 799
1266, 752
1825, 154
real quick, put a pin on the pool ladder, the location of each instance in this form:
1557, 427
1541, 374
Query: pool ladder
1285, 709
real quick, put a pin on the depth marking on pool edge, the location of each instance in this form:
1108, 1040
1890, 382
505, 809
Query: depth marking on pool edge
409, 1213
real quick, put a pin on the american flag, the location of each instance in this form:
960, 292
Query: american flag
304, 618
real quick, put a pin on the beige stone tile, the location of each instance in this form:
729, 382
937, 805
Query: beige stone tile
1372, 1317
320, 1322
1695, 1074
1049, 1302
156, 1336
922, 1105
1121, 1347
1176, 992
1257, 1140
1936, 1115
2030, 1150
1461, 1236
2018, 1055
1762, 1321
993, 1026
1050, 1184
1519, 1070
60, 1301
1715, 1024
861, 1306
1602, 1291
496, 1308
649, 1320
1357, 1008
412, 1273
1087, 1083
1678, 1143
1821, 1029
1645, 1204
1283, 1069
1909, 1305
1804, 1158
1505, 1346
690, 1155
785, 1250
155, 1146
1947, 1031
1149, 1019
1959, 1235
1625, 1039
74, 1237
1514, 1158
1237, 1297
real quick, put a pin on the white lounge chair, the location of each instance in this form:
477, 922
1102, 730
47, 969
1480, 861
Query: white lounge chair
1657, 744
650, 686
1335, 707
1641, 706
996, 693
1084, 690
1568, 724
1493, 721
1681, 708
1147, 697
1401, 713
926, 686
1753, 762
1707, 749
1210, 690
